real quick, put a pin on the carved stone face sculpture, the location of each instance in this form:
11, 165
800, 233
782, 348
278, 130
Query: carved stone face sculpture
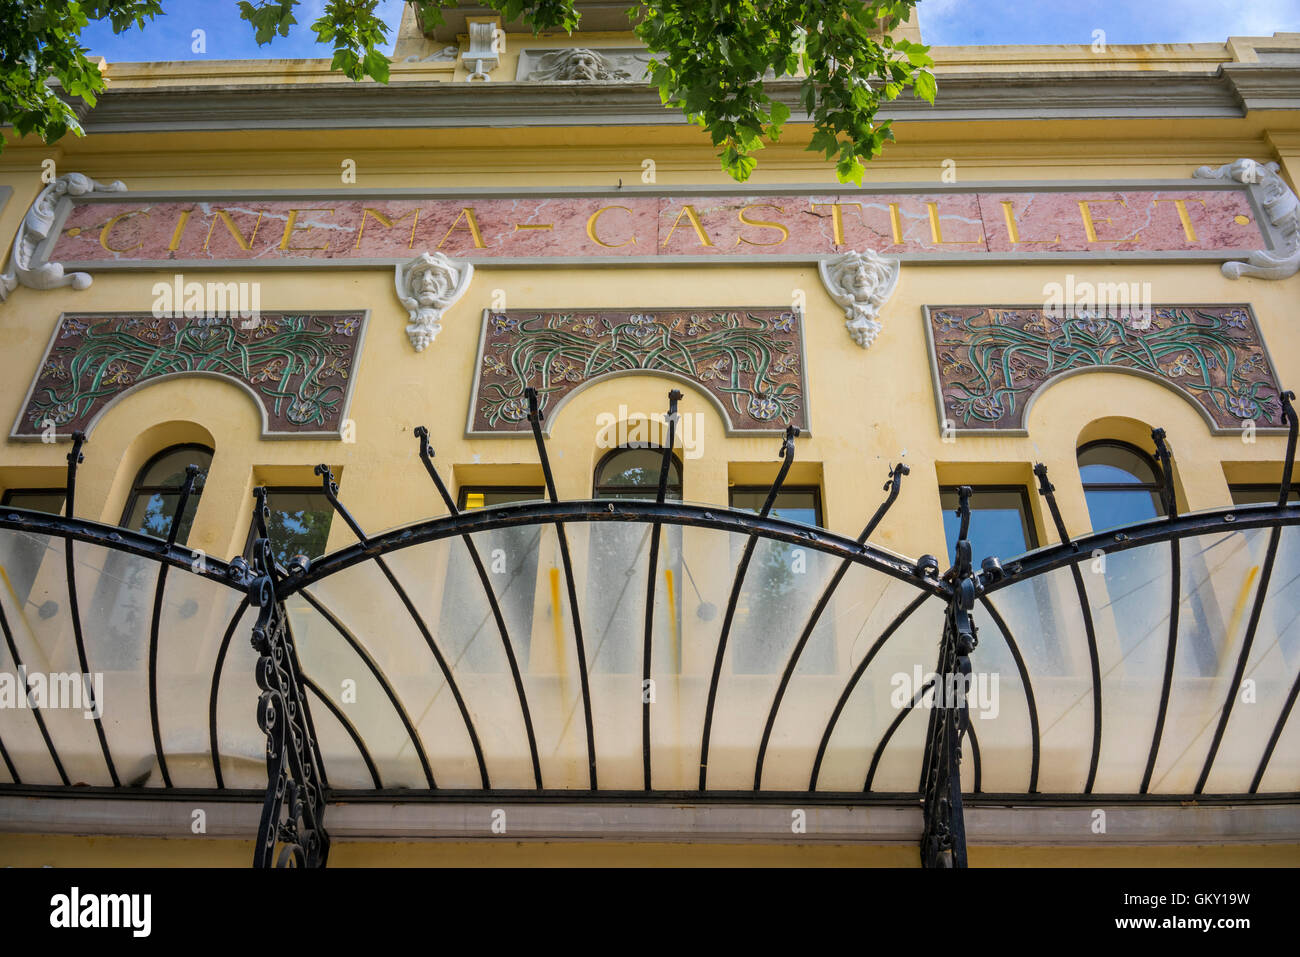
579, 64
427, 286
861, 283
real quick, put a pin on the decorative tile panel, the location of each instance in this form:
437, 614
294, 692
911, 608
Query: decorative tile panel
989, 362
750, 360
298, 366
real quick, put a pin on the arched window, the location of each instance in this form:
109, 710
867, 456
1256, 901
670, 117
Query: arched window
634, 473
1121, 484
157, 491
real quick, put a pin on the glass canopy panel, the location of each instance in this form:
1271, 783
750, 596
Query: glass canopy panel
999, 711
1271, 666
1043, 613
241, 744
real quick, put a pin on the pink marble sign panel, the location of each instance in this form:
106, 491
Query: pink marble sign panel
635, 224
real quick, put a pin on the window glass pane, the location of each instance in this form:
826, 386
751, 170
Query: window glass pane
1260, 494
1112, 508
635, 468
38, 500
169, 470
791, 505
999, 524
299, 523
1108, 464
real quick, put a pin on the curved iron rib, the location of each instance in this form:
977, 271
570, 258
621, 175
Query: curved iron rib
1029, 689
378, 674
331, 493
1171, 650
738, 582
535, 420
647, 653
36, 712
892, 485
191, 472
1047, 490
13, 771
892, 627
75, 458
426, 456
216, 690
1277, 733
889, 733
347, 726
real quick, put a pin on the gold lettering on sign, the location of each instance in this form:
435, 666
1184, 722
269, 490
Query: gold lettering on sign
1008, 213
837, 218
591, 229
103, 234
689, 212
291, 226
519, 226
1181, 205
1090, 227
471, 226
223, 216
785, 233
387, 223
895, 224
936, 231
180, 228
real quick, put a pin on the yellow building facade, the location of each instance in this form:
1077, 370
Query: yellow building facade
594, 251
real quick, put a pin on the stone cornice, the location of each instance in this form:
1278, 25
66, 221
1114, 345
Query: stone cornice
1231, 91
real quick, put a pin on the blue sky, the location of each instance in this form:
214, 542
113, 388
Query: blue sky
943, 23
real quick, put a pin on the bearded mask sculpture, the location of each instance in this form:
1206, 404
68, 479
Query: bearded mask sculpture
861, 283
578, 64
428, 286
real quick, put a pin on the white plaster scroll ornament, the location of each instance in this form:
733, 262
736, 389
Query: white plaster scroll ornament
577, 64
861, 283
484, 51
1283, 211
24, 267
428, 286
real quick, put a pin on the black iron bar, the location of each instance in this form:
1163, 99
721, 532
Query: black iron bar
13, 771
892, 485
1029, 689
535, 417
331, 493
348, 726
737, 583
1261, 593
1277, 733
373, 667
75, 458
1047, 490
889, 732
852, 683
20, 674
647, 643
1171, 651
426, 456
191, 472
217, 669
1167, 494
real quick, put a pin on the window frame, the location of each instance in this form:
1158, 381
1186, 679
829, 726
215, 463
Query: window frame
6, 497
137, 489
466, 490
1155, 486
816, 491
1026, 503
1273, 488
292, 489
598, 490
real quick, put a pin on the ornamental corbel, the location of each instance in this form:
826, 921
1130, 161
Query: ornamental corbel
861, 283
1283, 212
486, 44
428, 286
25, 266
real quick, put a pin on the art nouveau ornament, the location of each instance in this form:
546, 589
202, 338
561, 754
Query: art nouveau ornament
428, 286
24, 269
861, 283
1283, 211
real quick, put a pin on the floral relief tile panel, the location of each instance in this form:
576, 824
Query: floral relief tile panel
750, 359
990, 361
